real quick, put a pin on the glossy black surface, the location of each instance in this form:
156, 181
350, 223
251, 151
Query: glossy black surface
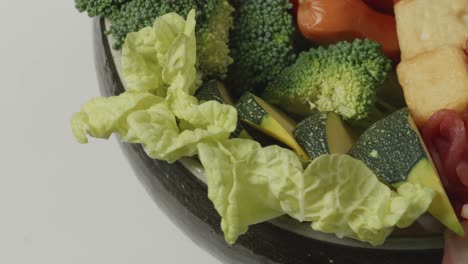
183, 198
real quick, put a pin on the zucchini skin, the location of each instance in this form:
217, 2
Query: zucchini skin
311, 134
324, 133
248, 109
209, 91
257, 113
391, 147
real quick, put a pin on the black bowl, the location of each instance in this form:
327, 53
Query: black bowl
183, 197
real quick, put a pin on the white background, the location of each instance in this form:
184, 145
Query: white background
62, 202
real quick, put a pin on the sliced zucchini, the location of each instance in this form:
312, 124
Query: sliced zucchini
262, 116
214, 90
324, 133
394, 150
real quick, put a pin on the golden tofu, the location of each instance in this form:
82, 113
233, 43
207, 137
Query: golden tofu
424, 25
435, 80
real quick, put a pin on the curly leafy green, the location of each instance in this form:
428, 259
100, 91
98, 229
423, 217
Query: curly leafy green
337, 193
148, 119
159, 110
102, 116
152, 57
346, 198
239, 180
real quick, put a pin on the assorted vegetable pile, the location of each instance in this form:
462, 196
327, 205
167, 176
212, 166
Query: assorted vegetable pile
317, 131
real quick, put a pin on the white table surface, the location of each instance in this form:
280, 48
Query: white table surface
62, 202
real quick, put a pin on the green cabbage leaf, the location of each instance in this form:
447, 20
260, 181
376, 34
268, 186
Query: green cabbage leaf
158, 110
239, 174
338, 194
346, 198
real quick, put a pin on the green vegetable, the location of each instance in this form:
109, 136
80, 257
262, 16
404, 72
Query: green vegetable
238, 182
146, 53
390, 93
375, 114
261, 43
324, 133
257, 113
249, 184
394, 150
214, 20
103, 116
215, 90
147, 119
137, 14
213, 37
390, 148
164, 117
344, 197
99, 7
342, 78
389, 100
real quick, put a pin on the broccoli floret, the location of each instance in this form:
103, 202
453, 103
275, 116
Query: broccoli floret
214, 20
138, 14
212, 39
261, 42
99, 7
342, 78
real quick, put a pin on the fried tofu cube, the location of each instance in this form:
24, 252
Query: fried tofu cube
424, 25
435, 80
